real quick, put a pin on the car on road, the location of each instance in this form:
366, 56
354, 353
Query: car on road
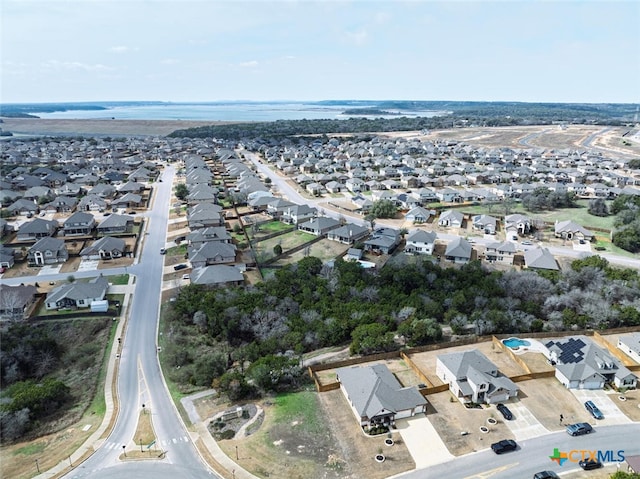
589, 464
527, 243
579, 428
503, 446
185, 276
504, 410
163, 250
593, 409
546, 475
180, 266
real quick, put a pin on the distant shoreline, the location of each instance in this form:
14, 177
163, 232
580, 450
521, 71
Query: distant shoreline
94, 127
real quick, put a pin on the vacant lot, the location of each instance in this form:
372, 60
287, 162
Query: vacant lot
80, 369
450, 418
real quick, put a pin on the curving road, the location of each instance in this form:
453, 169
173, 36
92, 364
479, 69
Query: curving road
140, 380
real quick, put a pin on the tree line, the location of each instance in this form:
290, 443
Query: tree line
249, 340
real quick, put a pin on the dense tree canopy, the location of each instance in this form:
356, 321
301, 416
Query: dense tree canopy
309, 305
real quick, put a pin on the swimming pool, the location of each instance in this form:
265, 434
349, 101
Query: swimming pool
514, 343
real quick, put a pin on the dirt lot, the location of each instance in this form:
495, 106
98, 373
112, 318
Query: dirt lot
324, 249
449, 417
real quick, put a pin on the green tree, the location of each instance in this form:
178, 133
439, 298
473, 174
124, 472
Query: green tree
418, 332
181, 191
384, 209
371, 338
598, 207
277, 250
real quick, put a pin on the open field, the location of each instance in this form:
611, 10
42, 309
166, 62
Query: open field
40, 126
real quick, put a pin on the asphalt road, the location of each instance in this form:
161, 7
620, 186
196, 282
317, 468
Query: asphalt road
140, 380
533, 455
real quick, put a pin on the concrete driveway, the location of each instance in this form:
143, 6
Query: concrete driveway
88, 265
49, 269
604, 402
423, 442
524, 424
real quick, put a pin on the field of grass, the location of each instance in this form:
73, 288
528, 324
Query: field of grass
264, 249
119, 279
579, 214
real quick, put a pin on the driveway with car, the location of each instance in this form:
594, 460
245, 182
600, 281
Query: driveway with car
606, 404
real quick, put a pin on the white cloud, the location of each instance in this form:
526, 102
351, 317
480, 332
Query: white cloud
169, 61
249, 64
58, 65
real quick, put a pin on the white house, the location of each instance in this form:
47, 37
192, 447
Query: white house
472, 378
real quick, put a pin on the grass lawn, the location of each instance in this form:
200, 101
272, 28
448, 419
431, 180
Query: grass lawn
119, 279
293, 440
580, 214
264, 249
177, 250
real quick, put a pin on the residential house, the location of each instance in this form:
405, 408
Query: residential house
103, 190
451, 219
570, 230
362, 203
630, 345
540, 258
36, 229
79, 224
448, 195
296, 214
47, 250
16, 301
212, 252
319, 226
517, 225
92, 203
420, 242
212, 233
129, 200
472, 378
217, 275
61, 204
278, 207
77, 294
107, 247
131, 187
458, 251
353, 254
7, 258
204, 215
485, 223
419, 215
114, 224
348, 233
23, 207
383, 241
376, 397
581, 364
500, 252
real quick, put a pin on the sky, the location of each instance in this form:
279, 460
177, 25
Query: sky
211, 50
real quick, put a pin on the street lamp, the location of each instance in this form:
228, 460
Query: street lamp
37, 466
124, 451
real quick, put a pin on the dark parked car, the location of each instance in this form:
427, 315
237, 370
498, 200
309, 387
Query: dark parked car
505, 445
504, 410
546, 475
590, 464
180, 266
593, 409
163, 250
579, 428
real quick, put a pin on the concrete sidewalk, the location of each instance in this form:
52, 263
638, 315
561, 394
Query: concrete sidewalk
95, 440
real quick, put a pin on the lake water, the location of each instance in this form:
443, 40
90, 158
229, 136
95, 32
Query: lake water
231, 111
